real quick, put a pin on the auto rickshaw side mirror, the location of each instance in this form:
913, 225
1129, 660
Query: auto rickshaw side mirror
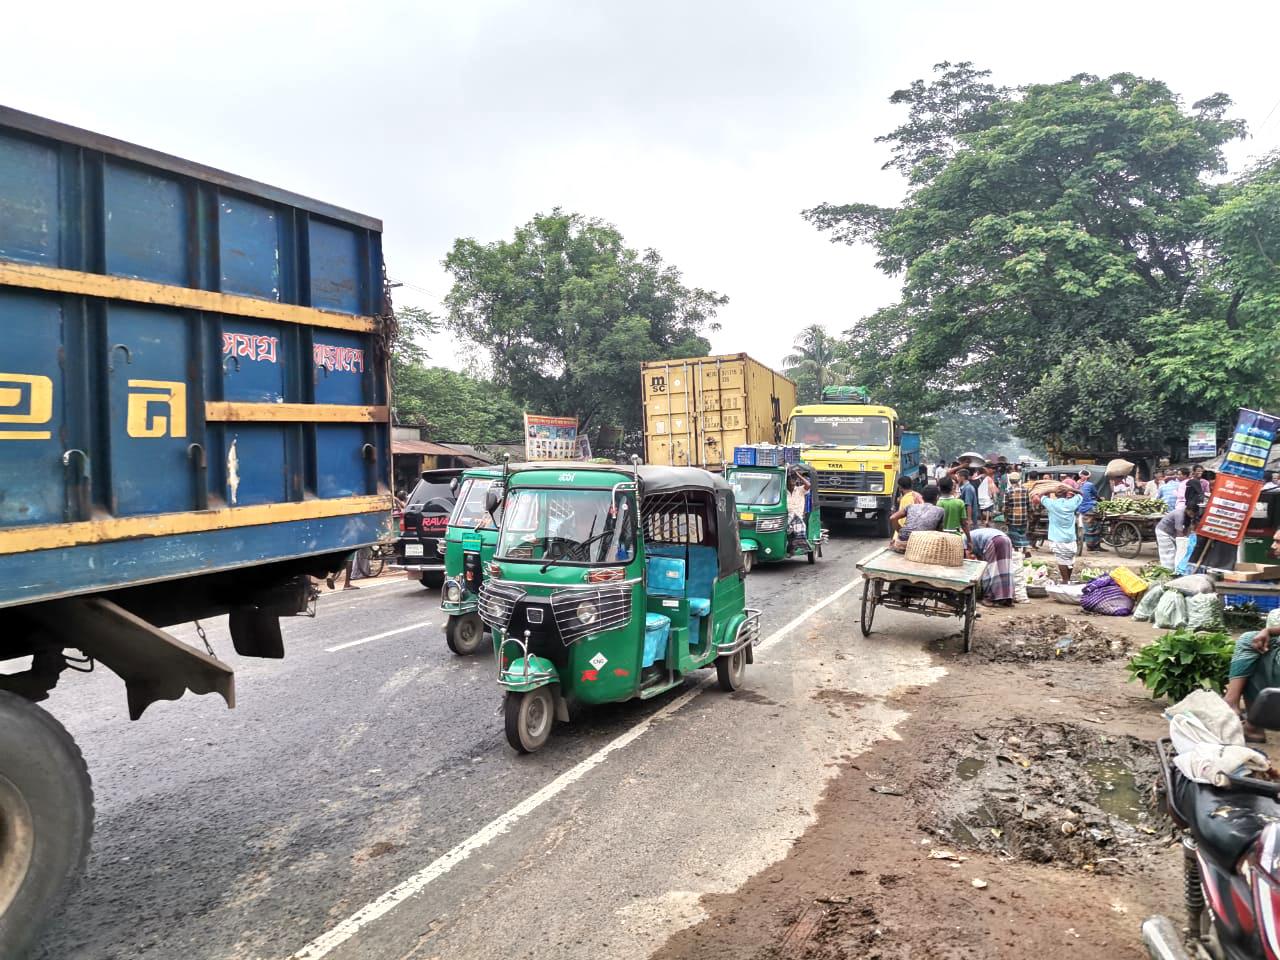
897, 434
492, 500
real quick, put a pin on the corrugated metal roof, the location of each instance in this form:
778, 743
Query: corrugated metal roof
419, 447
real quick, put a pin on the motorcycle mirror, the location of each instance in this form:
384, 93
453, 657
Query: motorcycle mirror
1264, 712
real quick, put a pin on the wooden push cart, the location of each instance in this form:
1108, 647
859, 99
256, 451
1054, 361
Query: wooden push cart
1127, 532
889, 579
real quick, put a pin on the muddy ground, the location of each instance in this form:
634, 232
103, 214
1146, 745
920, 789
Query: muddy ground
1012, 819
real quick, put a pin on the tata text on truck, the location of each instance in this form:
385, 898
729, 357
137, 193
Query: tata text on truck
858, 450
193, 420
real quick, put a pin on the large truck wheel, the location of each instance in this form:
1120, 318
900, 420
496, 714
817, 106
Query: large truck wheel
46, 819
882, 524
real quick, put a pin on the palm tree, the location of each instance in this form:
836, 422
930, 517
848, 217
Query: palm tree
819, 359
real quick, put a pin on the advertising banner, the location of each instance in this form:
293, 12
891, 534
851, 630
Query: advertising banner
1230, 506
1250, 445
1203, 441
550, 438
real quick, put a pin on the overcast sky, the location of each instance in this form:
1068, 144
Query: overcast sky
698, 128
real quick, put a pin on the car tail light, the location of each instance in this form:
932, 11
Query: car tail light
1266, 889
402, 523
607, 575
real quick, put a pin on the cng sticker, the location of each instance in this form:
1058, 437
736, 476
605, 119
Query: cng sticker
598, 661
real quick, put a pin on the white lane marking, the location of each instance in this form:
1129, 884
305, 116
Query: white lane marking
364, 584
329, 941
379, 636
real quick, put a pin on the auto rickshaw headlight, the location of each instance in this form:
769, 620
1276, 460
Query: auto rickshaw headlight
587, 612
452, 591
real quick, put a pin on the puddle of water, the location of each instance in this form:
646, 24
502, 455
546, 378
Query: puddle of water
1118, 793
970, 767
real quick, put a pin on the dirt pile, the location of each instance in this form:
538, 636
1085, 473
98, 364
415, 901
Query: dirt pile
1050, 637
1046, 793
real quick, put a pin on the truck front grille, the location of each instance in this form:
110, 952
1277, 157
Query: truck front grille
860, 480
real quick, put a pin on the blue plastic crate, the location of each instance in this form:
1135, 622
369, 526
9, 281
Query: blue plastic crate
1240, 599
791, 453
769, 456
744, 456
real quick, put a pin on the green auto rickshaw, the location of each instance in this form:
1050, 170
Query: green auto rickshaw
610, 583
469, 541
763, 527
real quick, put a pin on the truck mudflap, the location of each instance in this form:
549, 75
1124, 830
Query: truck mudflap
154, 665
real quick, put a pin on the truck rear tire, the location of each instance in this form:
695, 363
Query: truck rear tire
882, 525
46, 819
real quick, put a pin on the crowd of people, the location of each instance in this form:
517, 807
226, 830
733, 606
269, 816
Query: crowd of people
996, 508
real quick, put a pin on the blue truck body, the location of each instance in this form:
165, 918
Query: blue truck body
191, 370
193, 423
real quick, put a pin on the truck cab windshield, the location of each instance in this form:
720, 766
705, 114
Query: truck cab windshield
756, 489
841, 430
573, 526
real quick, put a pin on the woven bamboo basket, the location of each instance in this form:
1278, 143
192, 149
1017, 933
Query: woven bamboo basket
940, 549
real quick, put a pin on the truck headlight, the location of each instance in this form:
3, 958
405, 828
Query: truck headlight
587, 612
452, 591
876, 487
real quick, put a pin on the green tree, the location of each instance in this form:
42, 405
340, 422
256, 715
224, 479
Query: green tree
565, 313
456, 407
817, 361
1040, 219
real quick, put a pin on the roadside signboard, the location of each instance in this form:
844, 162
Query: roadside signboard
1203, 442
1230, 506
1239, 480
1250, 444
550, 438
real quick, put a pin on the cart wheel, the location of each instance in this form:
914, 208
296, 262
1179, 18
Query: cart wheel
529, 717
731, 670
813, 557
1126, 537
868, 606
464, 634
748, 561
970, 615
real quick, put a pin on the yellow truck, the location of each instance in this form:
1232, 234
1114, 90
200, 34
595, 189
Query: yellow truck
858, 450
697, 410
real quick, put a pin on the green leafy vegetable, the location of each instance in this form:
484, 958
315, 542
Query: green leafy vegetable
1182, 661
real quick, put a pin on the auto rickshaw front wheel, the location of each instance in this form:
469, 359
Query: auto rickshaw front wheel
529, 718
464, 634
748, 560
731, 670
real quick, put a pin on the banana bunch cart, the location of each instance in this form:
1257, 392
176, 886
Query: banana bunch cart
890, 580
1127, 532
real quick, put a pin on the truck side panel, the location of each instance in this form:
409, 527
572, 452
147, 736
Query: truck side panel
192, 373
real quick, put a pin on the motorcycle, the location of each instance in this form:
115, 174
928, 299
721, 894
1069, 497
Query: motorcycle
1231, 860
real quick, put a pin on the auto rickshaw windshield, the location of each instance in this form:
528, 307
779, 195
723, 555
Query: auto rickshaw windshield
470, 511
756, 489
565, 525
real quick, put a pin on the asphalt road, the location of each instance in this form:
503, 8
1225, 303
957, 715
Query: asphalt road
353, 771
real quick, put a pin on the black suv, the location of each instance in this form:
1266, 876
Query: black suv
420, 549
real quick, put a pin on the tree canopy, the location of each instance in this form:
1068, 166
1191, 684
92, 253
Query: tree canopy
1055, 224
817, 361
452, 406
564, 313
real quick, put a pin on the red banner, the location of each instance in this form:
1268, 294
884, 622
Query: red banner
1230, 506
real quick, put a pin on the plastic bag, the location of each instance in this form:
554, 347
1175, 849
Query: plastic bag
1039, 574
1147, 605
1019, 580
1068, 593
1106, 597
1204, 612
1192, 584
1184, 566
1129, 582
1171, 611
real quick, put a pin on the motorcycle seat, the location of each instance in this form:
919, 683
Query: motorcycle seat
1225, 822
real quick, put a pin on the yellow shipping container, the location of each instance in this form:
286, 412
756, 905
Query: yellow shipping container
697, 410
